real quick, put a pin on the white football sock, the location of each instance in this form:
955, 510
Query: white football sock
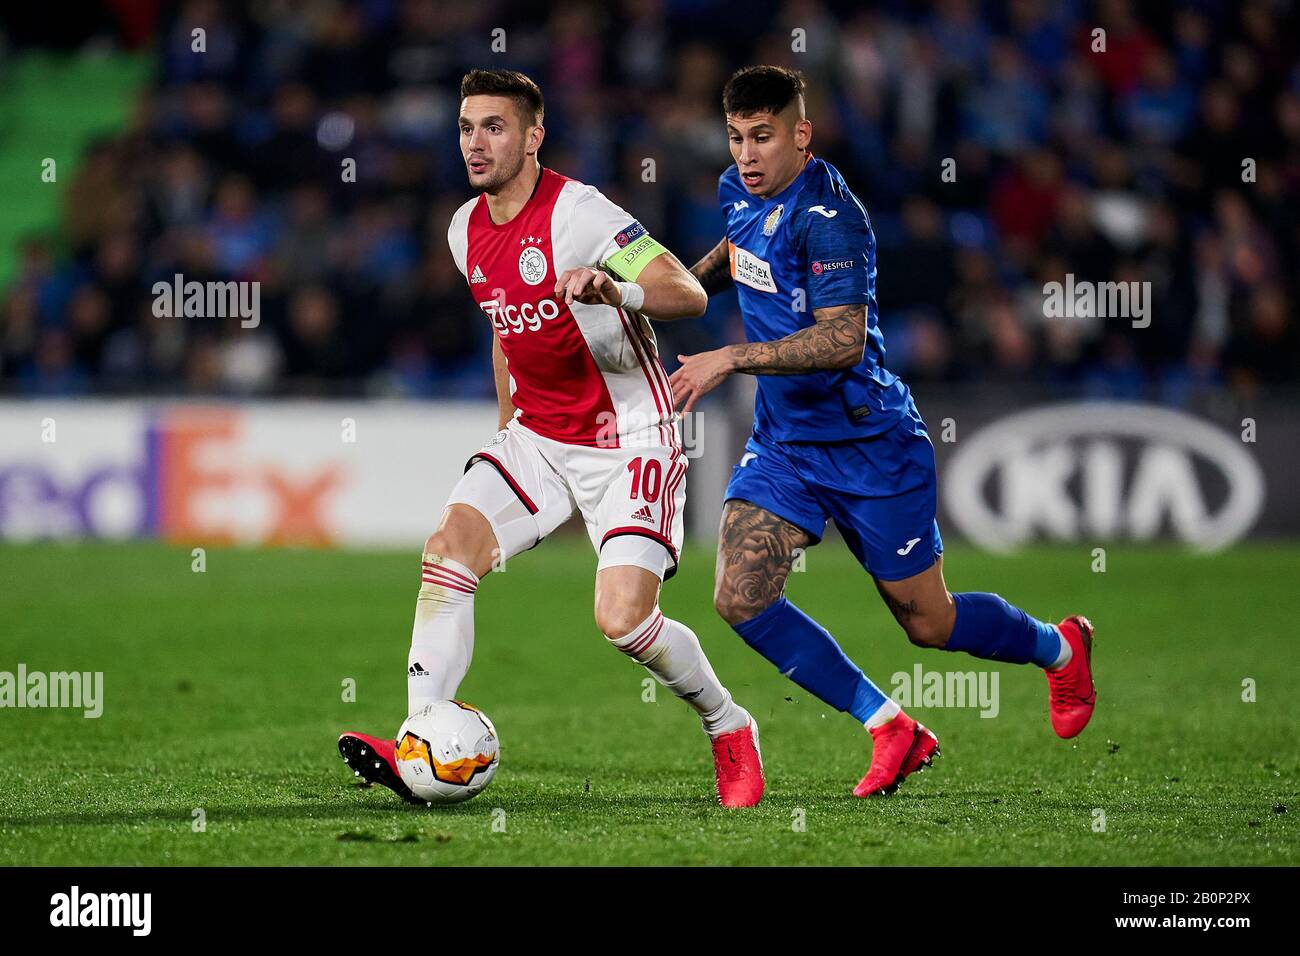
442, 640
883, 714
1067, 652
671, 652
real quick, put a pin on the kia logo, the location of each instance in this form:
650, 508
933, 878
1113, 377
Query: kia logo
1102, 470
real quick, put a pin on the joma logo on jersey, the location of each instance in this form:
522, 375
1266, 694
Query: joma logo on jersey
518, 318
748, 269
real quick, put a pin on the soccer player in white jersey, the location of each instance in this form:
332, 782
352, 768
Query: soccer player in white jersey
567, 279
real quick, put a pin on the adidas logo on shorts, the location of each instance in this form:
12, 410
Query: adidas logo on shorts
643, 514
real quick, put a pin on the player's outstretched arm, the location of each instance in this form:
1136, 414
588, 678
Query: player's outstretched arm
671, 292
834, 341
714, 270
663, 289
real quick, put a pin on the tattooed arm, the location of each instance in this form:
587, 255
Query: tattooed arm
834, 341
714, 270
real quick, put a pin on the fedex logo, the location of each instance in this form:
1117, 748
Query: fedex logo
507, 318
187, 475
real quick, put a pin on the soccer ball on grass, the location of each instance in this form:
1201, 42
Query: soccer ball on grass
447, 752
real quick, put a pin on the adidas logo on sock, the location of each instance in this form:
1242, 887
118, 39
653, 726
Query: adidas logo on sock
415, 670
643, 514
477, 275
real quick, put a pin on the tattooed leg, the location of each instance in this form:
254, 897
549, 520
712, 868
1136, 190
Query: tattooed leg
922, 605
755, 552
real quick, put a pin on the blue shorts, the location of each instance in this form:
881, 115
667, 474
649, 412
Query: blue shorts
880, 492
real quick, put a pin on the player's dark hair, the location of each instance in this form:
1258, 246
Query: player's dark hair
526, 94
761, 89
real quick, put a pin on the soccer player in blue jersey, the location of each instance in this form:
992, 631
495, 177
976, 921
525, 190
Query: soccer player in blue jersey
836, 435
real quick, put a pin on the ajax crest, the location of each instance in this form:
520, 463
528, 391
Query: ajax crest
532, 265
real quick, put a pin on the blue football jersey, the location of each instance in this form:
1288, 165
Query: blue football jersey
806, 248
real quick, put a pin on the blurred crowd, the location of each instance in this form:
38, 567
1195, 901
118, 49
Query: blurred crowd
1173, 157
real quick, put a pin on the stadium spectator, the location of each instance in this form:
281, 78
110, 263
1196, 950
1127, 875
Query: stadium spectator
1119, 165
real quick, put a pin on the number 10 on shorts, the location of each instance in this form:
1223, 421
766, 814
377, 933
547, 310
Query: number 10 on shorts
647, 478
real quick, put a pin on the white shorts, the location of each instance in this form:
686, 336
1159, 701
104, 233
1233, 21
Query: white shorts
631, 499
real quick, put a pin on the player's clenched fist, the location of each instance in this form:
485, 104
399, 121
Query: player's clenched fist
589, 286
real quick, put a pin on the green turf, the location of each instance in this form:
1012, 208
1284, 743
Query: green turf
223, 692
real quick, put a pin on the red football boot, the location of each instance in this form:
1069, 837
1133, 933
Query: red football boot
899, 748
1073, 695
374, 760
738, 766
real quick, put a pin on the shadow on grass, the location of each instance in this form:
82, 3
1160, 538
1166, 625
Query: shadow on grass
357, 805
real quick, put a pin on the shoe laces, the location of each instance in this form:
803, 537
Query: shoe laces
1063, 691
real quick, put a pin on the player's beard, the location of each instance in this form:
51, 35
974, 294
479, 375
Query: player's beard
503, 172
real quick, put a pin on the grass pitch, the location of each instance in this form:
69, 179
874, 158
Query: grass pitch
224, 693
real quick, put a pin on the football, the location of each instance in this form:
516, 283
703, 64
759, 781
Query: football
447, 752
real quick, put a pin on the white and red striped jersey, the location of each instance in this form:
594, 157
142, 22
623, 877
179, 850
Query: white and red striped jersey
579, 374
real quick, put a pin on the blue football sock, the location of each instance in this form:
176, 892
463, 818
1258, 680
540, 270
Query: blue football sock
989, 627
805, 652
